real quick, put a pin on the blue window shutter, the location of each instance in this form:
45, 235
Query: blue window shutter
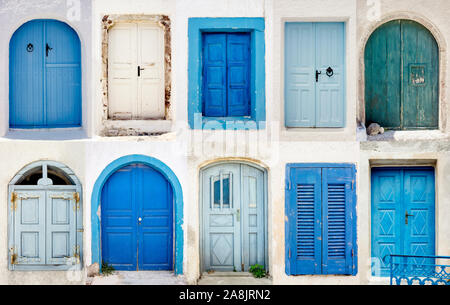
61, 227
238, 70
29, 227
214, 74
338, 220
300, 109
304, 221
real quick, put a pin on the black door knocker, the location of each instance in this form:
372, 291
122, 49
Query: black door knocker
330, 72
30, 47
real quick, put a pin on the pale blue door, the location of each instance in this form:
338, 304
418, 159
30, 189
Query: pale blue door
314, 74
403, 214
45, 76
233, 236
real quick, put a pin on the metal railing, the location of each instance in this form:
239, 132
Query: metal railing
419, 270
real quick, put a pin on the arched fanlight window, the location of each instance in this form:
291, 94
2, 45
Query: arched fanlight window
45, 218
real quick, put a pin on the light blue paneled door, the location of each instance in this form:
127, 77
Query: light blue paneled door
314, 74
233, 234
45, 76
403, 214
137, 220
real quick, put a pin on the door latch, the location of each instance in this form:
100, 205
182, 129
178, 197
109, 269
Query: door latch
406, 217
47, 48
139, 70
317, 75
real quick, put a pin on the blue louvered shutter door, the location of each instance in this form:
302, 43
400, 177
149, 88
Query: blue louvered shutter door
304, 213
214, 74
337, 215
238, 67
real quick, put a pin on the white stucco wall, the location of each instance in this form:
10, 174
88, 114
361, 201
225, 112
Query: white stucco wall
186, 151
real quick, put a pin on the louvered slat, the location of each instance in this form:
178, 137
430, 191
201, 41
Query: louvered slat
305, 221
336, 221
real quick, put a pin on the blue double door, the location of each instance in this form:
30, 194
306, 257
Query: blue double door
403, 214
45, 76
226, 74
137, 220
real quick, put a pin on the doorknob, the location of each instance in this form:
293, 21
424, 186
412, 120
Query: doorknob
139, 219
406, 217
47, 48
317, 75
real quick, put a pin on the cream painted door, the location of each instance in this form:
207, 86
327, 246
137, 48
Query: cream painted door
136, 71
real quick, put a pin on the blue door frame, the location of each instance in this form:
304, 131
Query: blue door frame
177, 197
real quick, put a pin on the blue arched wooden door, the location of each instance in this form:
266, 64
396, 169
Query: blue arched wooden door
402, 76
45, 76
137, 219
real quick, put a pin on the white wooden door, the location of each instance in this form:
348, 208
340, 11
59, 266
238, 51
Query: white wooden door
136, 71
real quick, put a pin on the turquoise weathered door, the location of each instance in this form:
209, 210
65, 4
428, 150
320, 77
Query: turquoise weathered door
402, 76
233, 217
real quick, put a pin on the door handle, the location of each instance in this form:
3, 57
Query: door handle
317, 75
139, 70
406, 217
238, 215
47, 48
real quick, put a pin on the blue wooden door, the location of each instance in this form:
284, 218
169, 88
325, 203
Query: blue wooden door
313, 96
45, 76
226, 74
233, 237
403, 213
137, 220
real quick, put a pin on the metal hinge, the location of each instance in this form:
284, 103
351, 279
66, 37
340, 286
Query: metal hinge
353, 184
353, 253
289, 253
76, 197
76, 253
13, 201
13, 256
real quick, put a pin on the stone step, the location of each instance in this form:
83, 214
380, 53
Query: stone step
227, 274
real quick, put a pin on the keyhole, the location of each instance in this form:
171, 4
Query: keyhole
30, 47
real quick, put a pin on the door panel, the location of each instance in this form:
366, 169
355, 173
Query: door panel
151, 93
420, 77
45, 81
233, 217
29, 230
137, 220
396, 193
61, 238
238, 69
329, 89
26, 80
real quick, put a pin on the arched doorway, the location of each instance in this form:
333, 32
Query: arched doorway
233, 217
402, 77
137, 219
45, 76
45, 218
131, 185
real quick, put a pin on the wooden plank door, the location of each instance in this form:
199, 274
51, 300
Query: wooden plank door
402, 76
45, 76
